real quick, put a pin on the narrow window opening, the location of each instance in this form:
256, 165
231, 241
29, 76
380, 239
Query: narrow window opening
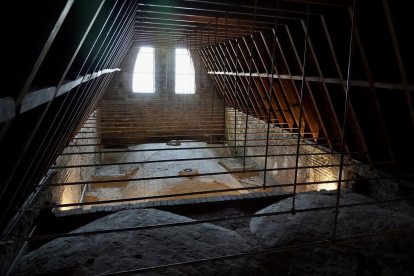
184, 72
143, 79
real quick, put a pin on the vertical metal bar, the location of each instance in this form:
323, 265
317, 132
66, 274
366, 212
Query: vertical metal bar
199, 67
189, 65
301, 106
270, 94
225, 86
249, 87
344, 128
56, 149
101, 63
62, 17
207, 80
87, 88
214, 86
235, 81
37, 64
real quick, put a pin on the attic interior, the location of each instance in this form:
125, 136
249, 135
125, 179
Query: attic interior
192, 137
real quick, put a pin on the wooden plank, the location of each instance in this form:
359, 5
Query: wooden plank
37, 97
265, 82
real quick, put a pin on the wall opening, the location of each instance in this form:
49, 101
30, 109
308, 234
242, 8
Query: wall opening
184, 72
143, 79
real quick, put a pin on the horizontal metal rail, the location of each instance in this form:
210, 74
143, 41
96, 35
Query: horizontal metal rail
199, 135
178, 224
205, 192
183, 141
191, 159
149, 130
173, 127
184, 134
179, 148
200, 174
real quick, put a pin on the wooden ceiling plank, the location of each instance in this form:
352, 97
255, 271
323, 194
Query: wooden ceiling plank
265, 81
243, 103
308, 107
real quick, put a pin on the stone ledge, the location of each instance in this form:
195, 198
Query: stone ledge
202, 201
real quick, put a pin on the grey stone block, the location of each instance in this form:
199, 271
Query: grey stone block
64, 213
108, 208
245, 196
71, 212
87, 211
221, 198
94, 209
250, 195
233, 197
239, 197
227, 197
188, 201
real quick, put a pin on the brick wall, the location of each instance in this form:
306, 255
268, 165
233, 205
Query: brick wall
164, 114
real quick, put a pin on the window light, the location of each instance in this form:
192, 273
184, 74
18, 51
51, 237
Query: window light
143, 79
184, 72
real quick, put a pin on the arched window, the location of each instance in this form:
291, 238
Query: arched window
184, 72
143, 79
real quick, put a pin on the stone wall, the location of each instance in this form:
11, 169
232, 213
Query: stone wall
282, 146
379, 189
384, 189
162, 115
73, 194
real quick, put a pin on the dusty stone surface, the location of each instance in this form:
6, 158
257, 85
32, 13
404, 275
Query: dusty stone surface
113, 252
173, 143
188, 171
317, 225
396, 253
152, 187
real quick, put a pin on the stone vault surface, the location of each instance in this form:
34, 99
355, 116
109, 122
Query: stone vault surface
100, 254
